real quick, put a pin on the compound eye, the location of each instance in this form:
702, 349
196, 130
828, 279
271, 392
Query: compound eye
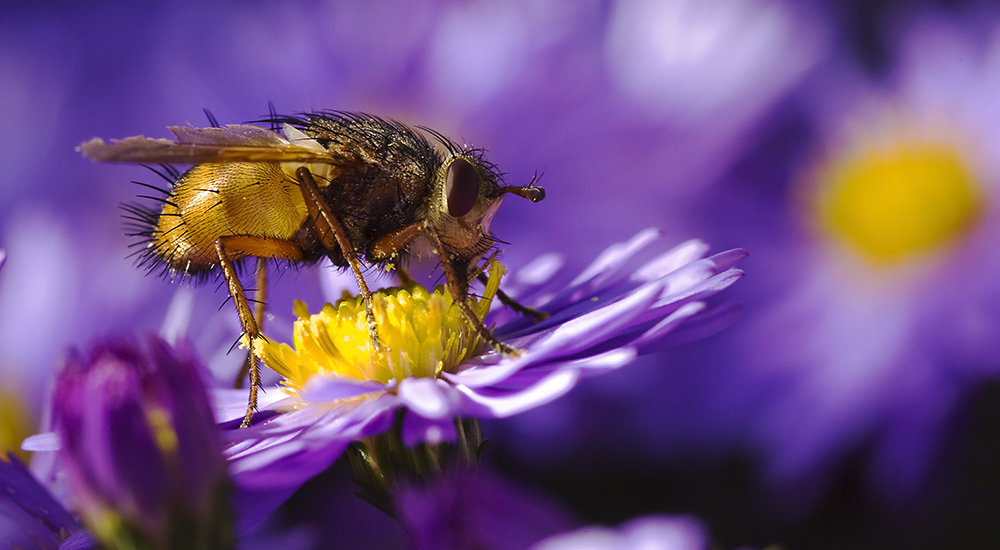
461, 187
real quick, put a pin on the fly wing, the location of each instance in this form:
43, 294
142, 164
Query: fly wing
234, 143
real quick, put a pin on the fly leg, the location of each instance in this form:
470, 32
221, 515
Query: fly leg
389, 245
536, 314
259, 299
332, 232
228, 249
250, 329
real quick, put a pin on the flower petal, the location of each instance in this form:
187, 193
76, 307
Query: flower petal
615, 255
419, 429
320, 388
229, 404
508, 404
586, 330
47, 441
672, 260
428, 397
539, 270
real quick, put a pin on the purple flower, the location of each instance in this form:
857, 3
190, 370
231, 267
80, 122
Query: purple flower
140, 449
895, 310
877, 311
30, 517
645, 533
600, 321
474, 509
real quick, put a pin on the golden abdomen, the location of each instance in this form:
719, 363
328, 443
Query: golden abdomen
209, 201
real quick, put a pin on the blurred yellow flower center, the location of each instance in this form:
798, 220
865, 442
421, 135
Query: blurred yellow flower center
16, 422
899, 201
422, 334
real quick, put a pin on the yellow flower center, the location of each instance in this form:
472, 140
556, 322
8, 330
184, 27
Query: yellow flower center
422, 334
898, 201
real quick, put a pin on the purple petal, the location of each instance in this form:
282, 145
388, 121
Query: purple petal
706, 324
729, 258
669, 323
324, 389
490, 374
428, 397
230, 404
672, 260
508, 404
693, 289
587, 366
584, 331
81, 540
418, 429
48, 441
568, 338
615, 255
539, 270
604, 362
648, 533
464, 510
30, 517
286, 463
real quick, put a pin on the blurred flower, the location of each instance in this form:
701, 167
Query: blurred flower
475, 509
140, 449
893, 310
645, 533
606, 316
30, 517
689, 60
16, 420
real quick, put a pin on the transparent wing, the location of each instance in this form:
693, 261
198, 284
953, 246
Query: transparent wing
233, 143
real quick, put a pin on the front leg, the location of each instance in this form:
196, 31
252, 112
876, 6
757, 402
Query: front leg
389, 245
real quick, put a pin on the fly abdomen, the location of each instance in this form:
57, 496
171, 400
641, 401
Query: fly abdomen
252, 199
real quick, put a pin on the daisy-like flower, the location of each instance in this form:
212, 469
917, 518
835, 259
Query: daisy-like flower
894, 312
336, 390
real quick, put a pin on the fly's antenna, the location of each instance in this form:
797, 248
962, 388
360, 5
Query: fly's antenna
531, 192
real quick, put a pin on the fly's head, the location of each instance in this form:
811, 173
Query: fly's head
467, 195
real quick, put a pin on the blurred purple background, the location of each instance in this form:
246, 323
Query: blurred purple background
848, 390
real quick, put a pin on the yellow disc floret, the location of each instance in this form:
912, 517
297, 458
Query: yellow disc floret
896, 201
422, 334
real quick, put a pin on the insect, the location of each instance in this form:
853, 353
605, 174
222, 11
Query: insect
346, 186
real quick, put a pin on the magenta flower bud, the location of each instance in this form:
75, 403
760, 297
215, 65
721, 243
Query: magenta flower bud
143, 456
